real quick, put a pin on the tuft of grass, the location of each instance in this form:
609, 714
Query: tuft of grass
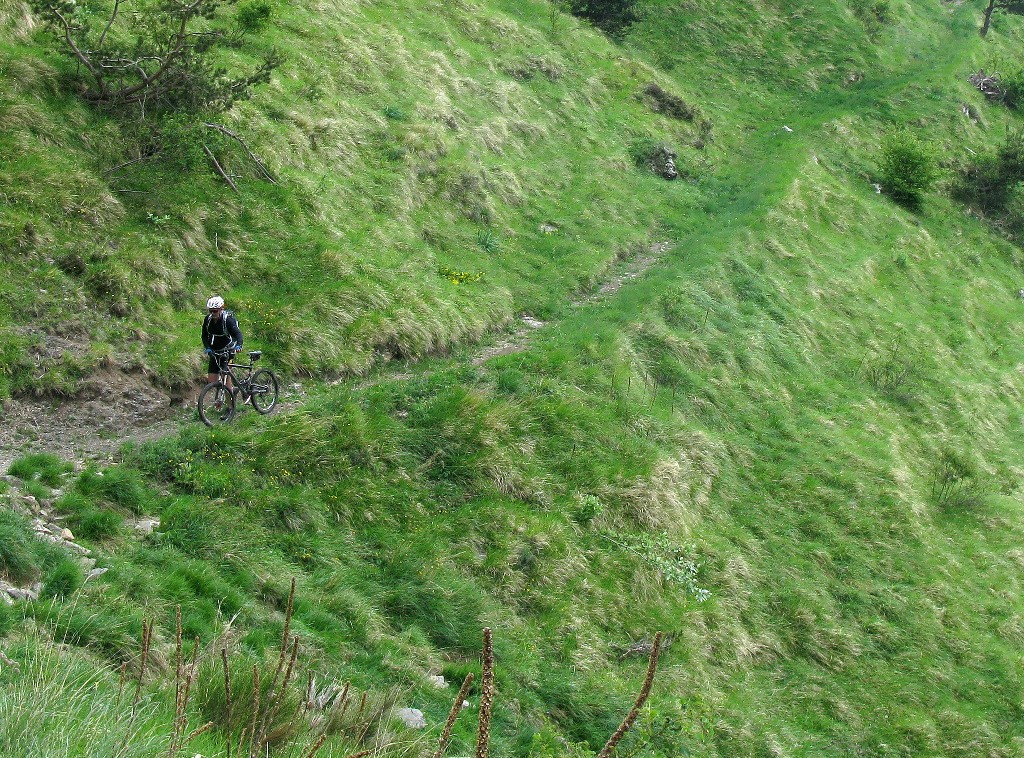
19, 557
62, 580
44, 468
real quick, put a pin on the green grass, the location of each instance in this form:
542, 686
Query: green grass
758, 418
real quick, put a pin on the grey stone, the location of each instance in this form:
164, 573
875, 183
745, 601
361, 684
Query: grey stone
87, 564
663, 162
146, 525
96, 572
437, 680
413, 718
67, 534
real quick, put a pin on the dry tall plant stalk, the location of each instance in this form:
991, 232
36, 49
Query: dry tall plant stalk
147, 642
483, 732
228, 702
446, 734
645, 691
185, 675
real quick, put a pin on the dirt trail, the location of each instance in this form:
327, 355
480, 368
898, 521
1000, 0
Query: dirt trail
115, 408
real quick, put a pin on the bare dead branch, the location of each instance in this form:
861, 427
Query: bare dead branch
110, 23
220, 169
255, 159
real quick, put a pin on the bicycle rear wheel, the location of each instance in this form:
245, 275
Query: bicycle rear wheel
216, 404
263, 391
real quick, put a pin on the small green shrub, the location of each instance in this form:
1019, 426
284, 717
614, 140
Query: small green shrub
957, 481
1012, 83
610, 16
40, 467
488, 241
893, 373
63, 579
991, 180
588, 508
254, 16
660, 100
872, 11
907, 167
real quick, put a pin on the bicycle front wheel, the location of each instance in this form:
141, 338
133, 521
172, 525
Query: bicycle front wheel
216, 404
263, 391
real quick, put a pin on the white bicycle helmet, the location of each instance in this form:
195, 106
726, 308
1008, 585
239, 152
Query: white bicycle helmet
215, 302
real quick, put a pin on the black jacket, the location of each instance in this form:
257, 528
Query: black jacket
219, 334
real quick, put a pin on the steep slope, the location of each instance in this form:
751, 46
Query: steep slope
809, 408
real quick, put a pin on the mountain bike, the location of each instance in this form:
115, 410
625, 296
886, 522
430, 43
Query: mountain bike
219, 400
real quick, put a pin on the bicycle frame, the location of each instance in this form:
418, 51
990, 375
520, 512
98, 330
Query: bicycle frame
224, 366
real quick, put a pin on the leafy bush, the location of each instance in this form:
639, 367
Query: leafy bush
872, 11
155, 60
254, 16
1013, 88
588, 508
611, 16
907, 167
989, 180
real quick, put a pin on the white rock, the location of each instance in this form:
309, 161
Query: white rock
437, 680
146, 525
67, 534
465, 704
96, 572
413, 718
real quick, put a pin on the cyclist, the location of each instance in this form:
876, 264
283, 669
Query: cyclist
220, 333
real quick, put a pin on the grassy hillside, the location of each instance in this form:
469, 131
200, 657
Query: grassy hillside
792, 444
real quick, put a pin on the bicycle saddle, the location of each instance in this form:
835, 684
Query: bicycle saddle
255, 355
